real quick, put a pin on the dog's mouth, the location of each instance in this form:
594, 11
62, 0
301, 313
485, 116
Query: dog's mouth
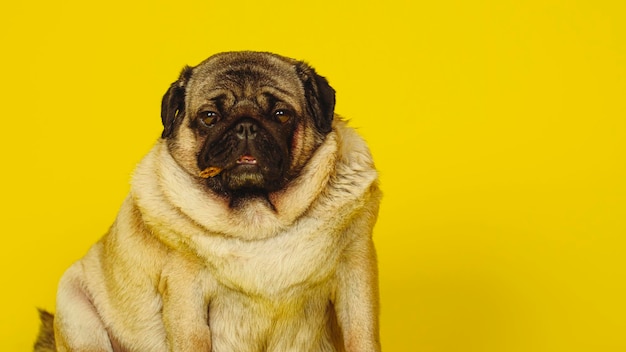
247, 159
246, 163
244, 160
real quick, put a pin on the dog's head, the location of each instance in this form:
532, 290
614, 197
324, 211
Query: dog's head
246, 122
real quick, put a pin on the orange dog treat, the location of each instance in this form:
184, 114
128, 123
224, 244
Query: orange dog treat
210, 171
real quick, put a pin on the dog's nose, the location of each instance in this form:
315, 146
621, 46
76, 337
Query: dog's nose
246, 130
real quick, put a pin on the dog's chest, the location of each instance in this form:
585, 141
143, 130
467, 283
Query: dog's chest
302, 256
293, 322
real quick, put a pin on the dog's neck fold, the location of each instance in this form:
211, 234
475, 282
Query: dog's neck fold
339, 173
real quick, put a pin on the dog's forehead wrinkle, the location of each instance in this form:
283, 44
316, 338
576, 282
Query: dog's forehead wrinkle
245, 72
262, 96
218, 94
246, 76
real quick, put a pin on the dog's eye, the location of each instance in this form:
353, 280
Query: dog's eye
282, 115
208, 118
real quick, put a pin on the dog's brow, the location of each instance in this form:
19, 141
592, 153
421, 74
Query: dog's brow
278, 94
275, 90
218, 94
220, 97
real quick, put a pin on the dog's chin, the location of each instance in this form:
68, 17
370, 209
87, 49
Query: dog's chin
244, 177
244, 180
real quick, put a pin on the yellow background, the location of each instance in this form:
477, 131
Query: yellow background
499, 128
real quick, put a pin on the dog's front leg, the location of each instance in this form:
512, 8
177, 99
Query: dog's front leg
77, 324
185, 312
356, 298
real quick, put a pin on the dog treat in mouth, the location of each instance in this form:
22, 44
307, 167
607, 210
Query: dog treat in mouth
210, 171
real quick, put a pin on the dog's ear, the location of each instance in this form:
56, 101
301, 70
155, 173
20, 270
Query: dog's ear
320, 97
173, 104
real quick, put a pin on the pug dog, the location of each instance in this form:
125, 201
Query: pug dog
248, 226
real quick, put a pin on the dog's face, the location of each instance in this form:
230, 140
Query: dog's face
246, 122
